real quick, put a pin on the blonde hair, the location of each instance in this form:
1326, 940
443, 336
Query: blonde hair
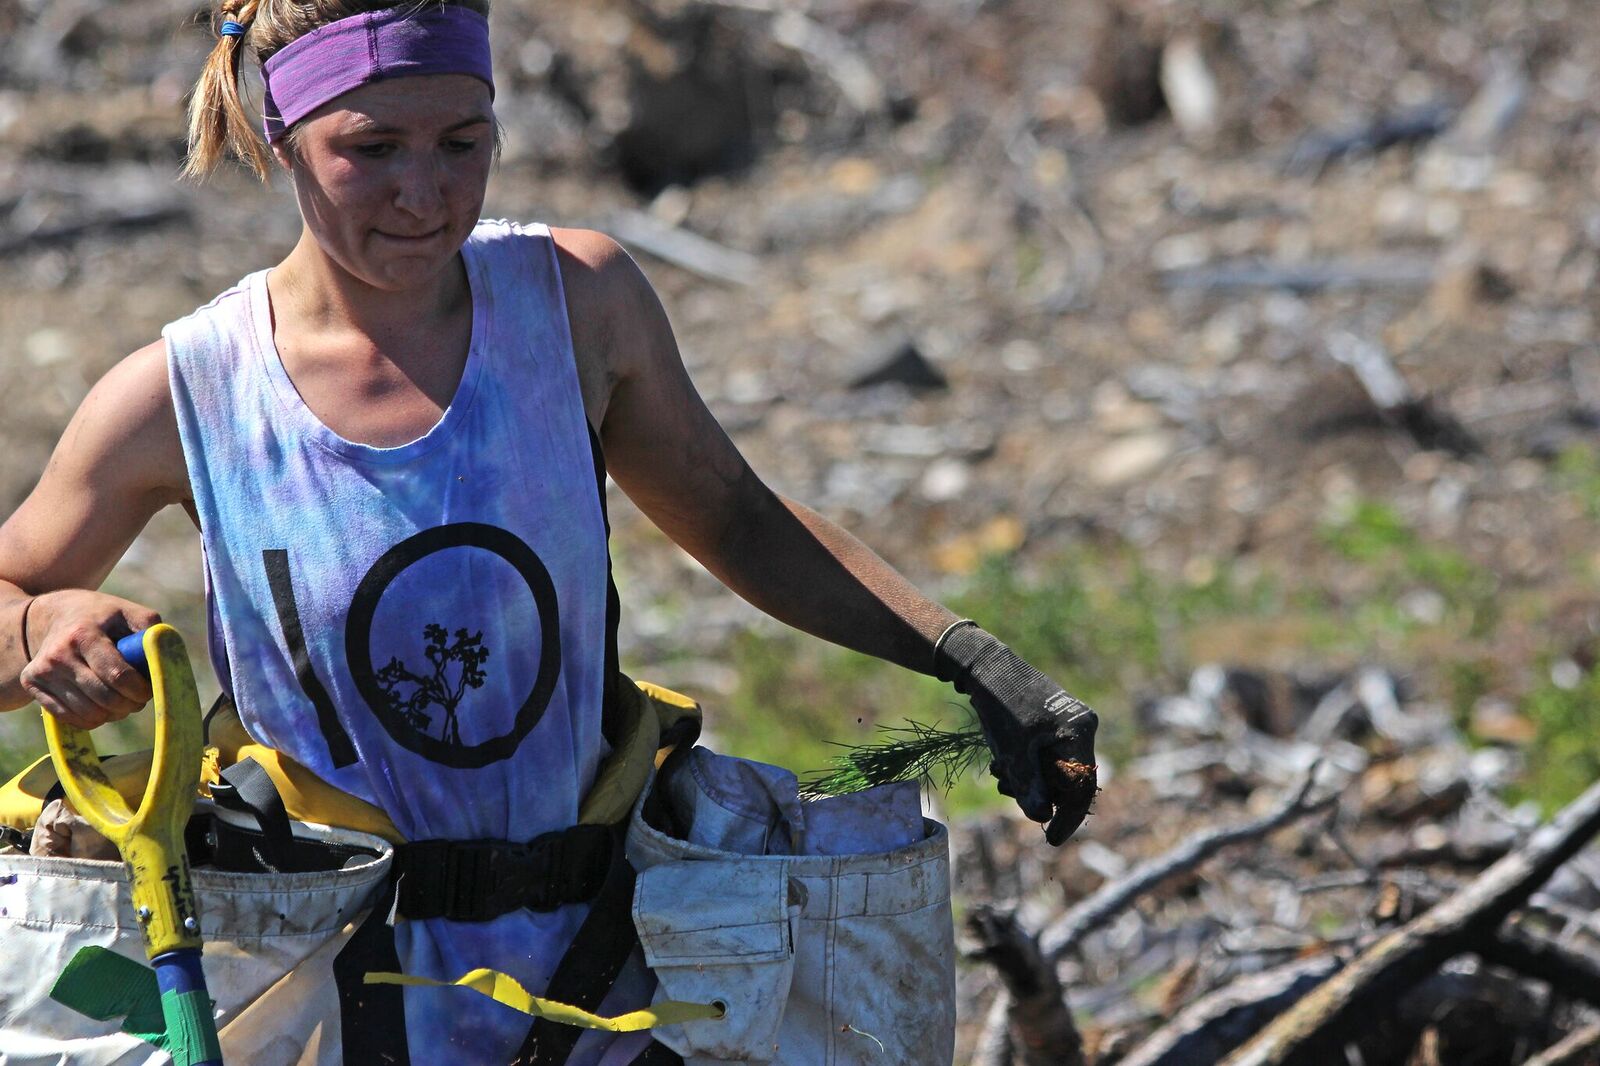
218, 124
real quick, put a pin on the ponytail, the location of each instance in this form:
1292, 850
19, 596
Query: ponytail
218, 124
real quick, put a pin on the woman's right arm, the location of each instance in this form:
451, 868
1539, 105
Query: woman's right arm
118, 463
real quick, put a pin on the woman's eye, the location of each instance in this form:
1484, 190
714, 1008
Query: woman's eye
373, 151
460, 146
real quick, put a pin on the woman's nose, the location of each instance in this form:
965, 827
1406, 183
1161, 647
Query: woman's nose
420, 190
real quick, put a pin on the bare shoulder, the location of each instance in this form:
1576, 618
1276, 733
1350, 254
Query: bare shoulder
618, 326
585, 249
600, 277
128, 419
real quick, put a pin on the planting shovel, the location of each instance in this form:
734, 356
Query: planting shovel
150, 839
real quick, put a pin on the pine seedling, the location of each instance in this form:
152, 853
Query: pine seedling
912, 752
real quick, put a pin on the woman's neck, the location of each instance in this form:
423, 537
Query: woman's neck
375, 366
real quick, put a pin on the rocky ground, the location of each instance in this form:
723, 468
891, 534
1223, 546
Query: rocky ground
969, 276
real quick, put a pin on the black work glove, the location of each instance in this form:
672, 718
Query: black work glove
1042, 739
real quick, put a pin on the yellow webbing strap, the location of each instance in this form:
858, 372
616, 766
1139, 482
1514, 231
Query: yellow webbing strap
504, 989
22, 797
672, 709
647, 712
625, 770
308, 798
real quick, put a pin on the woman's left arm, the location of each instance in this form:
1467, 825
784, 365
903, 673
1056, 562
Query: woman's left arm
665, 450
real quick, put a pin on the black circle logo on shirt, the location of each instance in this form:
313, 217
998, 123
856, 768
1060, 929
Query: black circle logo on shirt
411, 713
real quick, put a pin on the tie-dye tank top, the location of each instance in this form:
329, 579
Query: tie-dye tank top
427, 626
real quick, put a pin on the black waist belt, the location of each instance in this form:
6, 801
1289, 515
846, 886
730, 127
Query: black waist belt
476, 880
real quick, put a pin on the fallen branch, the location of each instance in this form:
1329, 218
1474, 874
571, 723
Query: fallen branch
1220, 1021
1461, 923
1417, 125
1303, 278
127, 220
1036, 1018
1398, 405
681, 248
1517, 946
1064, 934
834, 56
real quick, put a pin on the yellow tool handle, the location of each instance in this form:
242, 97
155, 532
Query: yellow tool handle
150, 838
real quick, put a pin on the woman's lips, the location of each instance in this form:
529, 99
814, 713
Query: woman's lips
410, 239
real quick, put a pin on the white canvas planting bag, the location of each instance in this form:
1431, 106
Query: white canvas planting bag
272, 943
823, 926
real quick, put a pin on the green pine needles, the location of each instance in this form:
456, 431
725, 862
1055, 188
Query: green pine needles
912, 752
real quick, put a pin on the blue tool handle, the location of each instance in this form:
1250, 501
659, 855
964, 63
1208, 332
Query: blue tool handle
186, 1008
131, 648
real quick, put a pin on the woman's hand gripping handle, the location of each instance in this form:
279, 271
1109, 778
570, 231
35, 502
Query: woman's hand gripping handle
75, 670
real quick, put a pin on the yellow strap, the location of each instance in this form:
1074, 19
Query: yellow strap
308, 798
503, 989
647, 711
622, 776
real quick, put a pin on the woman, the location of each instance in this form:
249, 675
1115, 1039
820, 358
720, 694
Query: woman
394, 445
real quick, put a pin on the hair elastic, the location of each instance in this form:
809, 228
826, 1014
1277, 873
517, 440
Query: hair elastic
231, 28
332, 60
27, 651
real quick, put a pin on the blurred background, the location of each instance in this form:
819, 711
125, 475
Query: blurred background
1156, 334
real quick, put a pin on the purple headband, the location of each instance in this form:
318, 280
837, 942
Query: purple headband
331, 60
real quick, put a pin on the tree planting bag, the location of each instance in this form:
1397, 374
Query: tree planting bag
272, 947
822, 926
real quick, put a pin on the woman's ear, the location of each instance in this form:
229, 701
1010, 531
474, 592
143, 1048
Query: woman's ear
284, 154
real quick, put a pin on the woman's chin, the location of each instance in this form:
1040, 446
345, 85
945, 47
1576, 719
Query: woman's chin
399, 273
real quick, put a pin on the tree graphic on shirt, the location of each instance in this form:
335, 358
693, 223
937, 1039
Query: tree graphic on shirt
444, 687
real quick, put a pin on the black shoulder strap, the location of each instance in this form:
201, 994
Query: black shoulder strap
247, 787
224, 705
372, 1018
591, 966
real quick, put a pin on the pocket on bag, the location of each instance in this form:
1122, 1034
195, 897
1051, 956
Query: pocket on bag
720, 932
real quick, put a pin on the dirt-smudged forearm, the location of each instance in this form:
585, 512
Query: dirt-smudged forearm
806, 571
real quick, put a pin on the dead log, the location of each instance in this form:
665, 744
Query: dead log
681, 248
1220, 1021
1396, 402
1039, 1024
1302, 278
1518, 946
1065, 932
1461, 923
1580, 1047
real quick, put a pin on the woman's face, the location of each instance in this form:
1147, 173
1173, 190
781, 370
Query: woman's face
391, 176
